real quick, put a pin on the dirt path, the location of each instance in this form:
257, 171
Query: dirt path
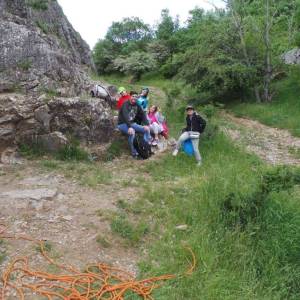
276, 146
75, 219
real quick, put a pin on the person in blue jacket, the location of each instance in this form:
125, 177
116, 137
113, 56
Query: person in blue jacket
143, 100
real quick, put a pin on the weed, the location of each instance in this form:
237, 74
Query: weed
25, 65
50, 164
38, 4
133, 233
43, 26
47, 246
102, 241
295, 152
72, 151
115, 149
32, 151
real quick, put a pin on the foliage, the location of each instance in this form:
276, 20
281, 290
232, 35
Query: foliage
225, 54
72, 151
38, 4
135, 64
283, 112
129, 29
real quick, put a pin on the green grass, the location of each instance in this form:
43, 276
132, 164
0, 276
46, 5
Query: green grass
86, 173
283, 112
131, 232
243, 223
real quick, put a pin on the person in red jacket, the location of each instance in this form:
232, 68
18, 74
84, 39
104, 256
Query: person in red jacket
124, 97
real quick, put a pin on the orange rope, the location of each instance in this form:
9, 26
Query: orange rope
99, 281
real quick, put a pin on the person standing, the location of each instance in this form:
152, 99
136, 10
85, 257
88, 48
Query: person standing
195, 125
132, 119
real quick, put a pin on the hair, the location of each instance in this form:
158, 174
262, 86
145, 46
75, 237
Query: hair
133, 93
155, 108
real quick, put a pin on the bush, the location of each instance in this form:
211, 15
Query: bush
73, 152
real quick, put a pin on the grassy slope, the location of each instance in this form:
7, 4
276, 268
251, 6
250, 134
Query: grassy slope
283, 112
249, 252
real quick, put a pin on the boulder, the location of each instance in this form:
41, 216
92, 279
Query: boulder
25, 119
292, 57
53, 141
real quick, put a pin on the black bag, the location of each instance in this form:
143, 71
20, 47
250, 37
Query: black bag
202, 124
142, 147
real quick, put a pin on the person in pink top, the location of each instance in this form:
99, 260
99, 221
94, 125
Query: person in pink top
155, 120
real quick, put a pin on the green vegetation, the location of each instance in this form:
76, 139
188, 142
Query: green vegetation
133, 233
71, 152
102, 241
25, 65
115, 149
225, 54
86, 173
38, 4
43, 26
242, 222
3, 254
283, 112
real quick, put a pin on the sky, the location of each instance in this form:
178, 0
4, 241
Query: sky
92, 18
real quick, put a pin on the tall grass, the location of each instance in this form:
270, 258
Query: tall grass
243, 223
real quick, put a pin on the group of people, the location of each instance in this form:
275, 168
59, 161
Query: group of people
136, 116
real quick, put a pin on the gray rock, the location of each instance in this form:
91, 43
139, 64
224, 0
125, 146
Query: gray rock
34, 194
292, 57
25, 119
52, 142
42, 115
10, 157
40, 50
182, 227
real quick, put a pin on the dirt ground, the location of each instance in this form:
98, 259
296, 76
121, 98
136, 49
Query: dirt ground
273, 145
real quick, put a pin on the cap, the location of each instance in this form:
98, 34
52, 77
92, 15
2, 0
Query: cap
121, 89
189, 107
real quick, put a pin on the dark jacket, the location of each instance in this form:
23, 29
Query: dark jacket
129, 114
195, 123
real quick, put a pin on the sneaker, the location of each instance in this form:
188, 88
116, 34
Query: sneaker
175, 152
199, 163
136, 157
154, 143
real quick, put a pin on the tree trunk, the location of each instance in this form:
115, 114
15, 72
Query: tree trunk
268, 65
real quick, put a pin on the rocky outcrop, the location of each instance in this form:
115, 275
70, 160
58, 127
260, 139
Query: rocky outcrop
50, 122
292, 57
40, 50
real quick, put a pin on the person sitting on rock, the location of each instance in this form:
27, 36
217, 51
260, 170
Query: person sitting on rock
124, 97
155, 120
143, 100
132, 119
195, 125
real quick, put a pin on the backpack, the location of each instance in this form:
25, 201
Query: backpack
142, 147
202, 124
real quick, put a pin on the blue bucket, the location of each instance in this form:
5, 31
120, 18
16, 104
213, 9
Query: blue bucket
187, 147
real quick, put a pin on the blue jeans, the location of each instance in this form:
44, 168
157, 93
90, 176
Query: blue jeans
137, 128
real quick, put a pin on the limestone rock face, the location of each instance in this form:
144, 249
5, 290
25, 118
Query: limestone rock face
292, 57
40, 50
25, 119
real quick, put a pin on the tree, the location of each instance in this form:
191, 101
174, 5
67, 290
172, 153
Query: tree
103, 54
136, 64
129, 30
166, 30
